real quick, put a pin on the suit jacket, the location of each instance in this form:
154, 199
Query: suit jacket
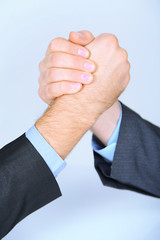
136, 162
26, 183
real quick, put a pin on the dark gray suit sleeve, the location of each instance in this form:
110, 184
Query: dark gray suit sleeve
136, 163
26, 183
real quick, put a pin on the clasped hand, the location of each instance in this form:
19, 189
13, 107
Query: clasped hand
96, 69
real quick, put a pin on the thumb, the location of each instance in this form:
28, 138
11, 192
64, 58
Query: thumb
82, 37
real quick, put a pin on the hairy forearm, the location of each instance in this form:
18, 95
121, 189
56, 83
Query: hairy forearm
70, 117
64, 123
106, 123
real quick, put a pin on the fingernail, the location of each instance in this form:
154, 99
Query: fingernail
82, 52
80, 34
75, 86
87, 78
89, 66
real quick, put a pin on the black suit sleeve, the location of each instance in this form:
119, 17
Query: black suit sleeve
26, 183
136, 163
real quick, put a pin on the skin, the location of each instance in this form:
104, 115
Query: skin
63, 124
109, 68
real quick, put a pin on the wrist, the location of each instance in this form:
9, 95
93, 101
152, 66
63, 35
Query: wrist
85, 113
63, 124
107, 122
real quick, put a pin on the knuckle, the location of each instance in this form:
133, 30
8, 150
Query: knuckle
123, 53
113, 40
56, 42
123, 86
104, 35
110, 40
128, 78
40, 66
125, 82
128, 66
40, 92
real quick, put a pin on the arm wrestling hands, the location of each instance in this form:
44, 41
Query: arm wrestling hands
95, 103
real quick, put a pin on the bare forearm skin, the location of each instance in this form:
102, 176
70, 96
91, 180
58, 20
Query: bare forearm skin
106, 123
64, 123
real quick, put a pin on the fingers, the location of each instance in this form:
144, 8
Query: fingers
49, 92
82, 37
66, 66
53, 75
65, 60
63, 45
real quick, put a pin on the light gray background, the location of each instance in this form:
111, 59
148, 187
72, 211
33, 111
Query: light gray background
87, 210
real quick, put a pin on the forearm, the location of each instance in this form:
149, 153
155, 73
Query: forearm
106, 123
136, 164
64, 123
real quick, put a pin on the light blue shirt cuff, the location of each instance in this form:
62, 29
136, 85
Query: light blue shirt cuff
55, 163
108, 151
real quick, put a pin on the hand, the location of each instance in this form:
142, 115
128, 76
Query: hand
106, 122
63, 71
112, 73
70, 116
